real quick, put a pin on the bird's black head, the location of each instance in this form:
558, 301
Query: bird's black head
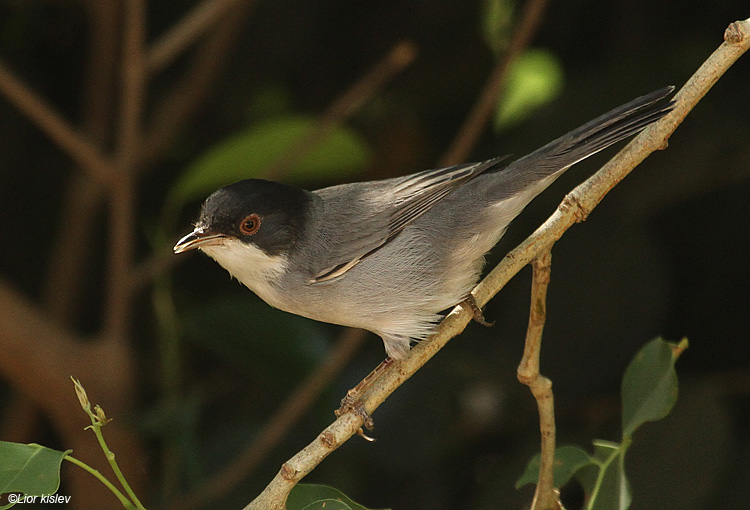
267, 214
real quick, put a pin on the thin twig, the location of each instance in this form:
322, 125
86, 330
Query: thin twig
46, 118
545, 498
589, 193
172, 113
275, 430
347, 104
203, 17
124, 501
480, 114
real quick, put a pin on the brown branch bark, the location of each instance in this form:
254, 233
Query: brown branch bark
84, 196
545, 498
46, 118
172, 113
203, 17
122, 192
574, 208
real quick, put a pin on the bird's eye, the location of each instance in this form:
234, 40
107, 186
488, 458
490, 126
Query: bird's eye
250, 225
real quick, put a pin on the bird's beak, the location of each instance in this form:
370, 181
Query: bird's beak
198, 239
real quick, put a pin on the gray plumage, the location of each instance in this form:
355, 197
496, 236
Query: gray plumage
389, 255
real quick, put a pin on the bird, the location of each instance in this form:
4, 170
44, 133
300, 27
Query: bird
389, 256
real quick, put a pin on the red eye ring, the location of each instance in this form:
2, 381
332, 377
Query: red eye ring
250, 224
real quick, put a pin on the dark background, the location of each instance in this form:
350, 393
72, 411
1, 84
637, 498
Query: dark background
665, 254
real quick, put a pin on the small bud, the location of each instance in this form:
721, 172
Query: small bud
81, 394
100, 416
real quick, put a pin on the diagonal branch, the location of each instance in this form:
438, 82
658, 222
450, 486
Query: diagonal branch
286, 416
347, 104
203, 17
172, 112
574, 208
49, 120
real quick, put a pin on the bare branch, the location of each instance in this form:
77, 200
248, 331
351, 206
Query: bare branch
545, 498
347, 104
482, 111
122, 192
574, 208
277, 427
84, 196
46, 118
183, 99
202, 18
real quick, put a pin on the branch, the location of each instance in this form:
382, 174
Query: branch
46, 118
187, 95
485, 105
277, 427
202, 18
84, 197
545, 498
347, 104
574, 208
122, 192
38, 358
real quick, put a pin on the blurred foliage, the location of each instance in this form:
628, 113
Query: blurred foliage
534, 79
242, 331
319, 497
247, 155
498, 23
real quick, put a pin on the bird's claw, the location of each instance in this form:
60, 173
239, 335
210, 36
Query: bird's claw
477, 312
352, 403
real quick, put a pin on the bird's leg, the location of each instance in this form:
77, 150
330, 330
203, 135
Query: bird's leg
352, 402
476, 311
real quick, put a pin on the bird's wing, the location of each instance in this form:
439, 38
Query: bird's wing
380, 214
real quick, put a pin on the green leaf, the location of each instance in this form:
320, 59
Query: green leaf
268, 343
613, 491
249, 153
497, 24
568, 460
319, 497
535, 78
649, 387
30, 469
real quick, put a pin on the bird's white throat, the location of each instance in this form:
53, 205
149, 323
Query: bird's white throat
251, 266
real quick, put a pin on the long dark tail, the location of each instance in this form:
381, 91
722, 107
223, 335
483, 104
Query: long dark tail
594, 136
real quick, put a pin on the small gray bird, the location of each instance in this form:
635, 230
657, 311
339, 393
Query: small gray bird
388, 256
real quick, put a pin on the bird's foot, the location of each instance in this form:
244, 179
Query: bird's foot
476, 311
352, 402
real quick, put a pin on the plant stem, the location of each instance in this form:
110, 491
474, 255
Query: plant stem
110, 455
604, 465
125, 502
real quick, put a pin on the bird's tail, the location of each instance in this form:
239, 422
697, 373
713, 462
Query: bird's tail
594, 136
